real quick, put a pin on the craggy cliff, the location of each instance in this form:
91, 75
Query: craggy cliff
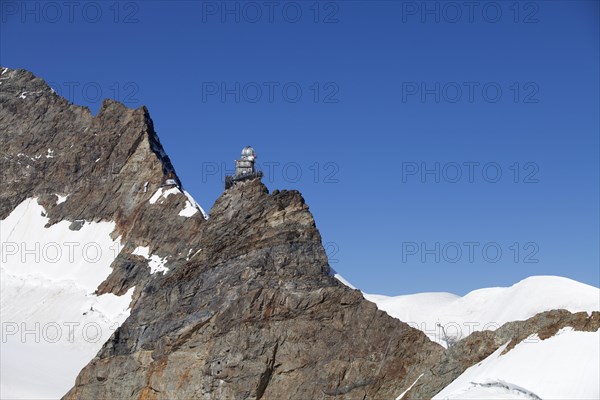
248, 308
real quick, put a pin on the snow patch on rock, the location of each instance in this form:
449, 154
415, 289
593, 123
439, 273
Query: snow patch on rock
155, 263
188, 210
161, 193
191, 205
24, 94
194, 204
410, 387
61, 199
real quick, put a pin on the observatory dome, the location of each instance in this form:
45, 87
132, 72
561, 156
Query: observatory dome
248, 151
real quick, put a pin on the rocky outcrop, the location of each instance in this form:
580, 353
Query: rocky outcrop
248, 308
108, 166
255, 314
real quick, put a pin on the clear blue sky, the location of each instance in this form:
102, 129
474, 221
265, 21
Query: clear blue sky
360, 97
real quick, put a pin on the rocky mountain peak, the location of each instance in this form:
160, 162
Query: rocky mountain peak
107, 167
51, 144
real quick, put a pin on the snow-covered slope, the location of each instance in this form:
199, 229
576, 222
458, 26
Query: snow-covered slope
490, 308
52, 323
565, 366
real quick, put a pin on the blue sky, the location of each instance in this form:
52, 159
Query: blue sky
440, 147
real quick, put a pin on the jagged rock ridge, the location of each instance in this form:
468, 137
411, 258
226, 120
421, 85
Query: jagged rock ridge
109, 165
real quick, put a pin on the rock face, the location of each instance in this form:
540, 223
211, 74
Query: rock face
248, 308
255, 314
109, 165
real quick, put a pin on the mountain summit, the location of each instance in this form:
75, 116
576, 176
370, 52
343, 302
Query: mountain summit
242, 305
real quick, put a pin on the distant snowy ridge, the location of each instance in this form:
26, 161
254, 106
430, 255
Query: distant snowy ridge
490, 308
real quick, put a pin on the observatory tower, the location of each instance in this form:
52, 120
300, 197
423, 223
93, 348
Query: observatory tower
244, 168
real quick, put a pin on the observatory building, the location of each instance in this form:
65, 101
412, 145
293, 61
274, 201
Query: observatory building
244, 168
